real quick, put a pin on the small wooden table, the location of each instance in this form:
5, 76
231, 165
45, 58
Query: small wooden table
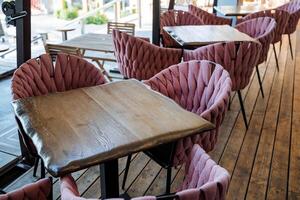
80, 128
195, 36
93, 42
64, 32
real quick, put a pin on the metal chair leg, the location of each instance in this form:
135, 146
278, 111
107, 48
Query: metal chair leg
291, 48
168, 181
276, 58
260, 82
243, 109
126, 171
36, 164
43, 171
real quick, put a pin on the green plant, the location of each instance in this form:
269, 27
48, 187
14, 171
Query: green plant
67, 14
97, 19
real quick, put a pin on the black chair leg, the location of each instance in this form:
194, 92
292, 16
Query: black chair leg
276, 58
243, 109
36, 164
291, 48
260, 82
168, 181
280, 45
126, 171
43, 171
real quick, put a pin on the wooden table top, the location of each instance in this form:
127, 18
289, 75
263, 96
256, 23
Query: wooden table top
243, 10
205, 34
80, 128
91, 41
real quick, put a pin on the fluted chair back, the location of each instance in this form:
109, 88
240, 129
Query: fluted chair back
201, 87
140, 59
281, 17
293, 8
238, 58
208, 18
175, 18
40, 76
204, 180
263, 29
40, 190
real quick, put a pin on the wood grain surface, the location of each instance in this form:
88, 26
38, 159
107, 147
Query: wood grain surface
84, 127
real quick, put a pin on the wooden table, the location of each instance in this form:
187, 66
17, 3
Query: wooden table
195, 36
80, 128
92, 41
243, 10
64, 32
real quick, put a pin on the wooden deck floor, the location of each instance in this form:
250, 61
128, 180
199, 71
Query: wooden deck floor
264, 161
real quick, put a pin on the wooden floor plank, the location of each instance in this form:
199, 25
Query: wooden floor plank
242, 172
294, 172
280, 160
144, 180
260, 172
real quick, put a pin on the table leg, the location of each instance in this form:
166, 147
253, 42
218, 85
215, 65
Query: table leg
64, 35
109, 176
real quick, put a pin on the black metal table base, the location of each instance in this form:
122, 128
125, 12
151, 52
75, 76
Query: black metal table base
109, 176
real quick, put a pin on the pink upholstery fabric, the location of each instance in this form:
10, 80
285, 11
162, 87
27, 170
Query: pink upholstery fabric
263, 29
141, 60
239, 59
201, 87
281, 17
40, 76
69, 190
35, 191
293, 8
208, 18
204, 180
175, 18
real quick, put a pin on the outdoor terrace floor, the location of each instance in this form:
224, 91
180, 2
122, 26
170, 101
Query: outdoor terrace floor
263, 161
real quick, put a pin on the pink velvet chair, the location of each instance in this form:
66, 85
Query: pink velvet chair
201, 87
293, 8
281, 17
175, 18
141, 60
39, 76
40, 190
204, 180
238, 58
263, 29
208, 18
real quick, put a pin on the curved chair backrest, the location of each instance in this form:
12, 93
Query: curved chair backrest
263, 29
208, 18
293, 8
281, 17
239, 59
201, 87
40, 76
141, 60
204, 179
175, 18
40, 190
